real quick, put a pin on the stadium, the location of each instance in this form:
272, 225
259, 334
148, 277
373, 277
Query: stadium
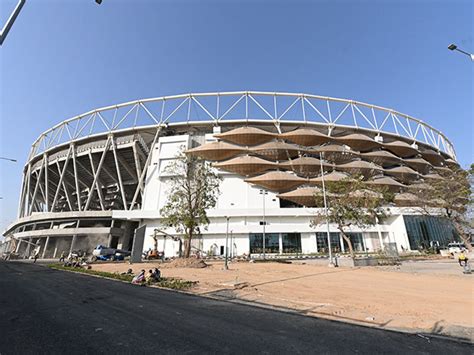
99, 178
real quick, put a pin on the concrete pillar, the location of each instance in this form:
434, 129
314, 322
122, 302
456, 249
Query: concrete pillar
28, 247
379, 232
316, 242
73, 241
18, 246
109, 242
45, 247
280, 243
341, 243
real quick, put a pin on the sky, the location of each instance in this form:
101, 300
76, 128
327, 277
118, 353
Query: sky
65, 57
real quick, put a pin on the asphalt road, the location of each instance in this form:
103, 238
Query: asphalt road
44, 311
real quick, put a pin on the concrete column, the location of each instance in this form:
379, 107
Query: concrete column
73, 241
341, 243
28, 247
316, 242
379, 232
109, 242
280, 243
45, 247
18, 246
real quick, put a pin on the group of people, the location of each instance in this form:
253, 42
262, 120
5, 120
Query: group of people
153, 275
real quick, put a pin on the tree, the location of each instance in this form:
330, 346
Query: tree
449, 197
351, 202
193, 189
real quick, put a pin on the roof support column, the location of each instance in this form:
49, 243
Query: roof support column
101, 162
119, 175
98, 184
61, 179
76, 180
145, 168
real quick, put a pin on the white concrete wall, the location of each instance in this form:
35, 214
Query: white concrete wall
243, 204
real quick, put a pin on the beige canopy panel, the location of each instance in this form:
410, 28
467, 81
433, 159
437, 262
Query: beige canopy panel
305, 136
451, 163
276, 150
361, 167
381, 157
402, 149
246, 136
419, 164
216, 151
306, 166
433, 157
331, 177
388, 182
358, 141
246, 165
405, 199
403, 173
419, 187
432, 177
279, 181
335, 153
443, 169
366, 193
304, 196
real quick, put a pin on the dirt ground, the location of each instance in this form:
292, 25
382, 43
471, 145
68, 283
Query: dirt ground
390, 297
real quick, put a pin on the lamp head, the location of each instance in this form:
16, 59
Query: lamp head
452, 47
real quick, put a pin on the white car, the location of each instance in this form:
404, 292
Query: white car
454, 248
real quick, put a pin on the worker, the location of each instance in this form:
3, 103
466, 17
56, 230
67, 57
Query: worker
36, 254
62, 257
462, 258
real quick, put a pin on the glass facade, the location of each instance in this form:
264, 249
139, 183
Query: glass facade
322, 242
291, 243
357, 242
424, 231
272, 243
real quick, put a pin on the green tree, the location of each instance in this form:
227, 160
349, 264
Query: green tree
450, 197
193, 189
352, 202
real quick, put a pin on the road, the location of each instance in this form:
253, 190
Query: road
44, 311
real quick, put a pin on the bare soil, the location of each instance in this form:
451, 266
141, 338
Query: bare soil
430, 302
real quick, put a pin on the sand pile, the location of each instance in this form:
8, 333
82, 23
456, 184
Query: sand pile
185, 262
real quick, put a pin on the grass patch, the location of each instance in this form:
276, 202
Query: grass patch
166, 282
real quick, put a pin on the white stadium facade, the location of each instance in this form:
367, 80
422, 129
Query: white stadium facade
98, 177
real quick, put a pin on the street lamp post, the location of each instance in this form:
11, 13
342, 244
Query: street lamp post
226, 266
331, 263
453, 47
263, 193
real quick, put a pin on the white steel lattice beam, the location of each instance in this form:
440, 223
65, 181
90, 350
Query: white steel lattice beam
54, 136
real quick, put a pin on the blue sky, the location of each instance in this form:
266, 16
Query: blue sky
63, 58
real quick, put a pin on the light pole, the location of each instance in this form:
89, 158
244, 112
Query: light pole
263, 193
9, 159
226, 266
326, 210
453, 47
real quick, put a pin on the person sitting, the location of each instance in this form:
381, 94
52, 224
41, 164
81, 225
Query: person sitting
139, 279
156, 274
153, 275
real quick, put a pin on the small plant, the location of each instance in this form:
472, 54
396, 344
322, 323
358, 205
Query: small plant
166, 282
